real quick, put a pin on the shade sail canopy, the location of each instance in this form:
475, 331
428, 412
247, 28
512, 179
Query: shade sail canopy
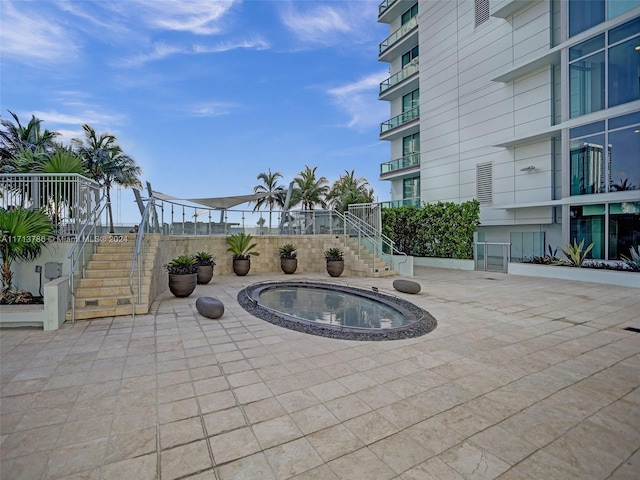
220, 203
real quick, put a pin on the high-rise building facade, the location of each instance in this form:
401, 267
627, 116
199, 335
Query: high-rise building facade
532, 107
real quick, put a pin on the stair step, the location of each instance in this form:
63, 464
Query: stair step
122, 281
100, 312
119, 256
103, 301
112, 273
118, 291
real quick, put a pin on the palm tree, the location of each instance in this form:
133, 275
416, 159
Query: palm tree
309, 190
16, 137
275, 194
623, 185
106, 163
348, 190
24, 232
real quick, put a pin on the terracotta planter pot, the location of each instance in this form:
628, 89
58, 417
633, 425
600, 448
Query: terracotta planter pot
205, 273
182, 285
241, 267
335, 267
289, 265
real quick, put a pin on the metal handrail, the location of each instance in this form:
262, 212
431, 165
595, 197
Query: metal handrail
376, 237
136, 257
81, 239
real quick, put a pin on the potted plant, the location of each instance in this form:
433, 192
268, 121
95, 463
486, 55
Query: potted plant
205, 262
183, 275
335, 261
288, 260
241, 247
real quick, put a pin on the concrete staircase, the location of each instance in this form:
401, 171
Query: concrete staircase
381, 268
104, 289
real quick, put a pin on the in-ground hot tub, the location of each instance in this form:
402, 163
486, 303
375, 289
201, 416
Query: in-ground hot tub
336, 311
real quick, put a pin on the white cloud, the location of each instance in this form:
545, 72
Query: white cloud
331, 23
360, 101
201, 17
212, 109
31, 34
161, 50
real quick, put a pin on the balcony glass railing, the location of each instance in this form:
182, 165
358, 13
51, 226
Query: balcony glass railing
398, 34
411, 160
384, 5
401, 119
406, 72
405, 202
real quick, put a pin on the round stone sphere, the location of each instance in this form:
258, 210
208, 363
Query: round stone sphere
209, 307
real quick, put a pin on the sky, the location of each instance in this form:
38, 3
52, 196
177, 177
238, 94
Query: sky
204, 94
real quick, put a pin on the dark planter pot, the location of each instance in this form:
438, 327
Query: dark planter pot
205, 273
335, 267
289, 265
241, 267
182, 285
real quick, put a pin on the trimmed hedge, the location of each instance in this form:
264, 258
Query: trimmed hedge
443, 229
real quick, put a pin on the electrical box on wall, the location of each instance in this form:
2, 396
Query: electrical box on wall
52, 270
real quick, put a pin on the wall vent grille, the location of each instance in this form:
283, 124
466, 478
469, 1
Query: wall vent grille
484, 183
482, 11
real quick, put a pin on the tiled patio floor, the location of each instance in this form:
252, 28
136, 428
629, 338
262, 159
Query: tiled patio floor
523, 378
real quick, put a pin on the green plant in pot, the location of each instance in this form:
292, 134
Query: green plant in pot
205, 262
335, 261
183, 275
241, 247
288, 259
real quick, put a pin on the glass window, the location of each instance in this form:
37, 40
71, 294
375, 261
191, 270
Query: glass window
587, 223
411, 144
624, 228
588, 46
618, 7
624, 148
409, 56
411, 100
411, 188
586, 85
618, 169
584, 14
624, 66
588, 70
587, 165
409, 14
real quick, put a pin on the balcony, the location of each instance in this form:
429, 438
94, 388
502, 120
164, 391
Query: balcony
405, 202
402, 163
402, 119
384, 5
408, 71
396, 37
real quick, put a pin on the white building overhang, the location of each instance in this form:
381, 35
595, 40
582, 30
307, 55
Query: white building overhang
550, 57
614, 197
509, 7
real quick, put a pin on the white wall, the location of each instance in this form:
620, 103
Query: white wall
463, 113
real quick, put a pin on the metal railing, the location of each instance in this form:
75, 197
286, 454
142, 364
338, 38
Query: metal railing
87, 234
398, 34
411, 160
405, 202
401, 119
410, 69
138, 256
370, 238
68, 199
384, 5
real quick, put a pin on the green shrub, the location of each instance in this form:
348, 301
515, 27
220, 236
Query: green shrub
443, 229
